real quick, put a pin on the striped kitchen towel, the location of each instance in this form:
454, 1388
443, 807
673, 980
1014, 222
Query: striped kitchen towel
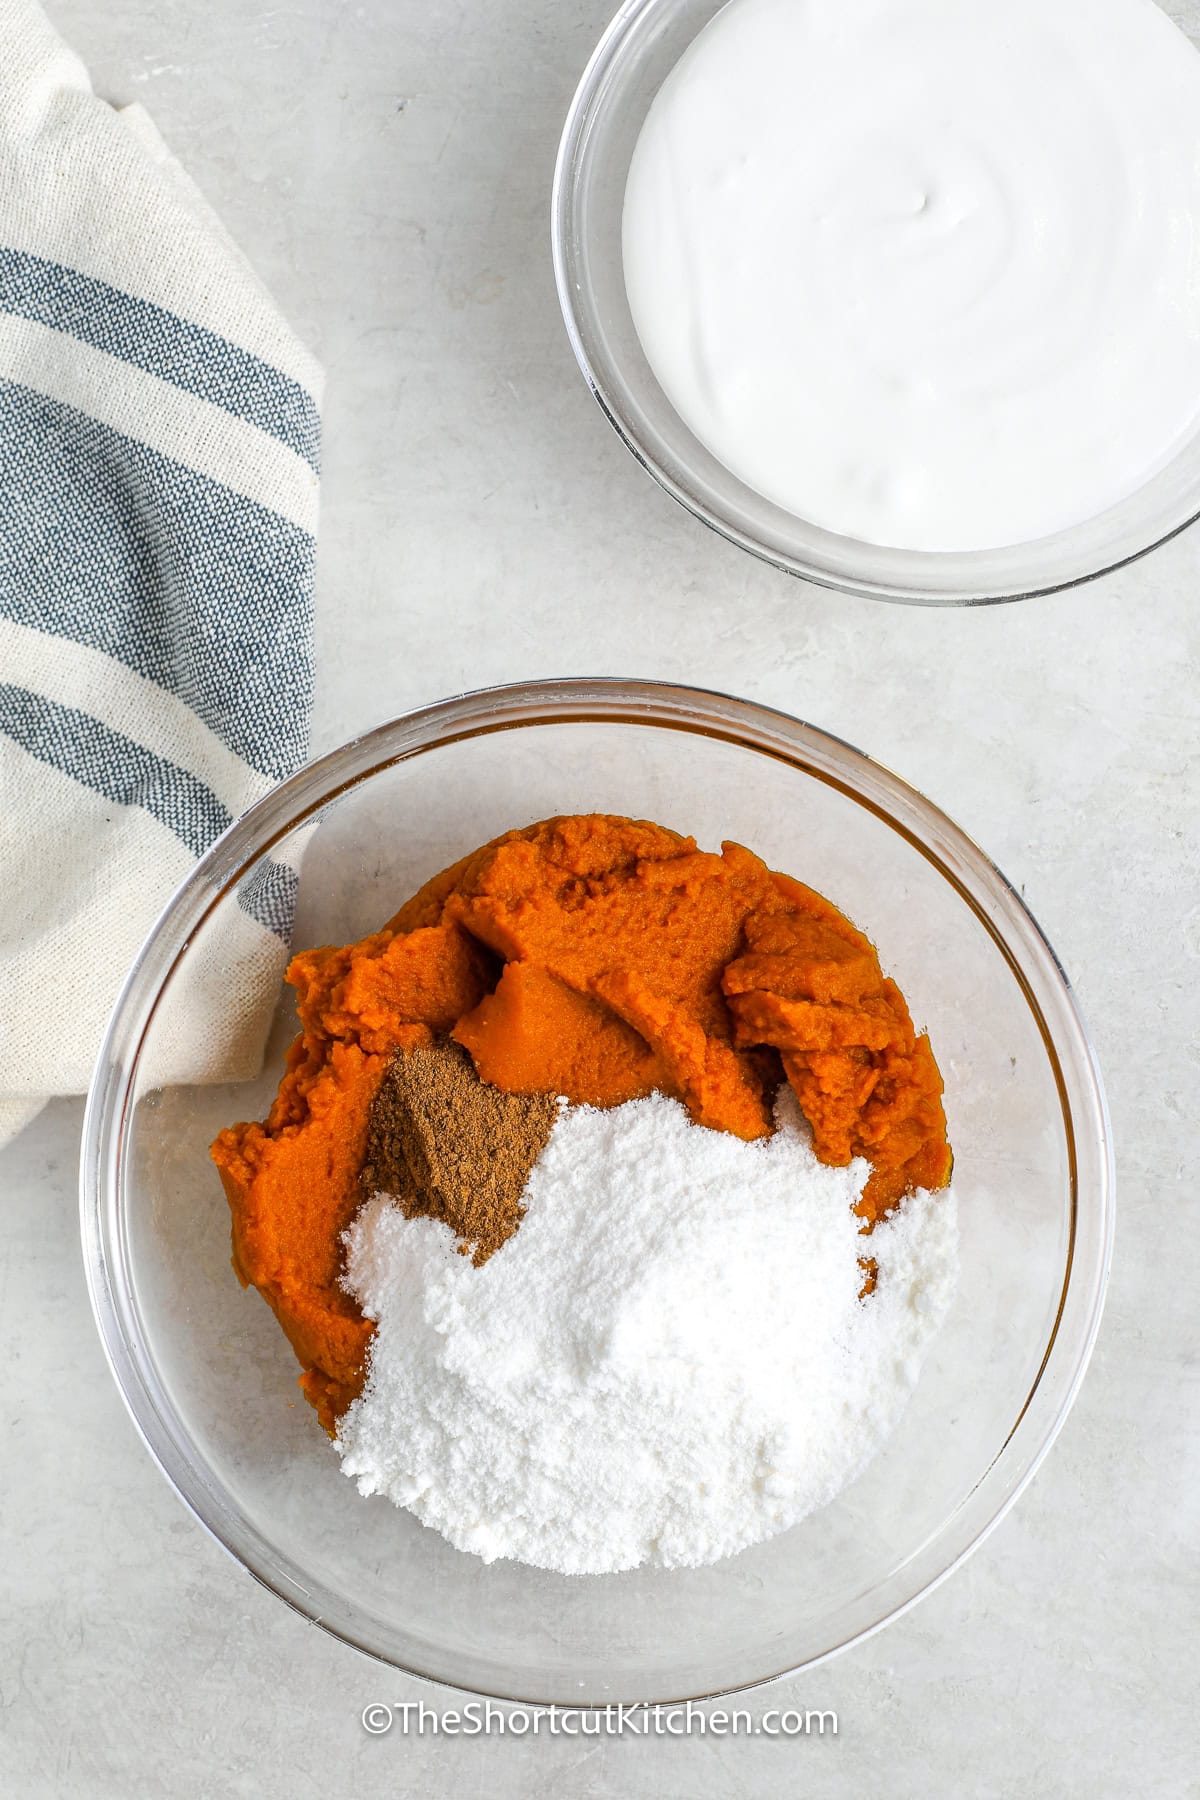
159, 433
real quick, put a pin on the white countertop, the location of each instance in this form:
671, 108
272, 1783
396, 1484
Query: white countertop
387, 167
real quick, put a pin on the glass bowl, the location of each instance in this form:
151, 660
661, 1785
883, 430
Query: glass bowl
211, 1382
643, 43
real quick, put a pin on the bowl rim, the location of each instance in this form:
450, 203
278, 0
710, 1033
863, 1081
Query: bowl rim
604, 385
604, 700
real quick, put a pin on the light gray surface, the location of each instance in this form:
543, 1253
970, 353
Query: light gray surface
387, 167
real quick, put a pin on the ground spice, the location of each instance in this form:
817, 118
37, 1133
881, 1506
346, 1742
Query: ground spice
449, 1146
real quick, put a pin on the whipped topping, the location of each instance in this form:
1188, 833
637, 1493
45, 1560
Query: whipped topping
926, 273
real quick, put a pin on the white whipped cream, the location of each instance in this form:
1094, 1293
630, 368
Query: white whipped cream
926, 272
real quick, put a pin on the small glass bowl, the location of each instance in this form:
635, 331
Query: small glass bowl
639, 49
211, 1382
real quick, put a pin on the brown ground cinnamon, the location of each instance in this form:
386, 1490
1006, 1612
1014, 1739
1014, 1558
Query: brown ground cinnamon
452, 1147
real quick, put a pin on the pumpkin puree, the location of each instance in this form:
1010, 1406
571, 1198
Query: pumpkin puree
595, 957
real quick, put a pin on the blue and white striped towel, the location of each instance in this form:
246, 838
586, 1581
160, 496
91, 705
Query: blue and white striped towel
159, 433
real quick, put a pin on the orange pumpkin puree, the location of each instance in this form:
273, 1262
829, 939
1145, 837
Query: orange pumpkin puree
595, 957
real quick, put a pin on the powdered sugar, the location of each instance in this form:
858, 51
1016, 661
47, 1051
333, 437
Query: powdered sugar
666, 1364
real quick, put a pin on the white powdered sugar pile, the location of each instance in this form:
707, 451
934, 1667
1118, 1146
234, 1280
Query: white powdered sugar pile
667, 1363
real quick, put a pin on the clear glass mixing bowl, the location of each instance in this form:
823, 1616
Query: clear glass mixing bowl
636, 53
211, 1381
